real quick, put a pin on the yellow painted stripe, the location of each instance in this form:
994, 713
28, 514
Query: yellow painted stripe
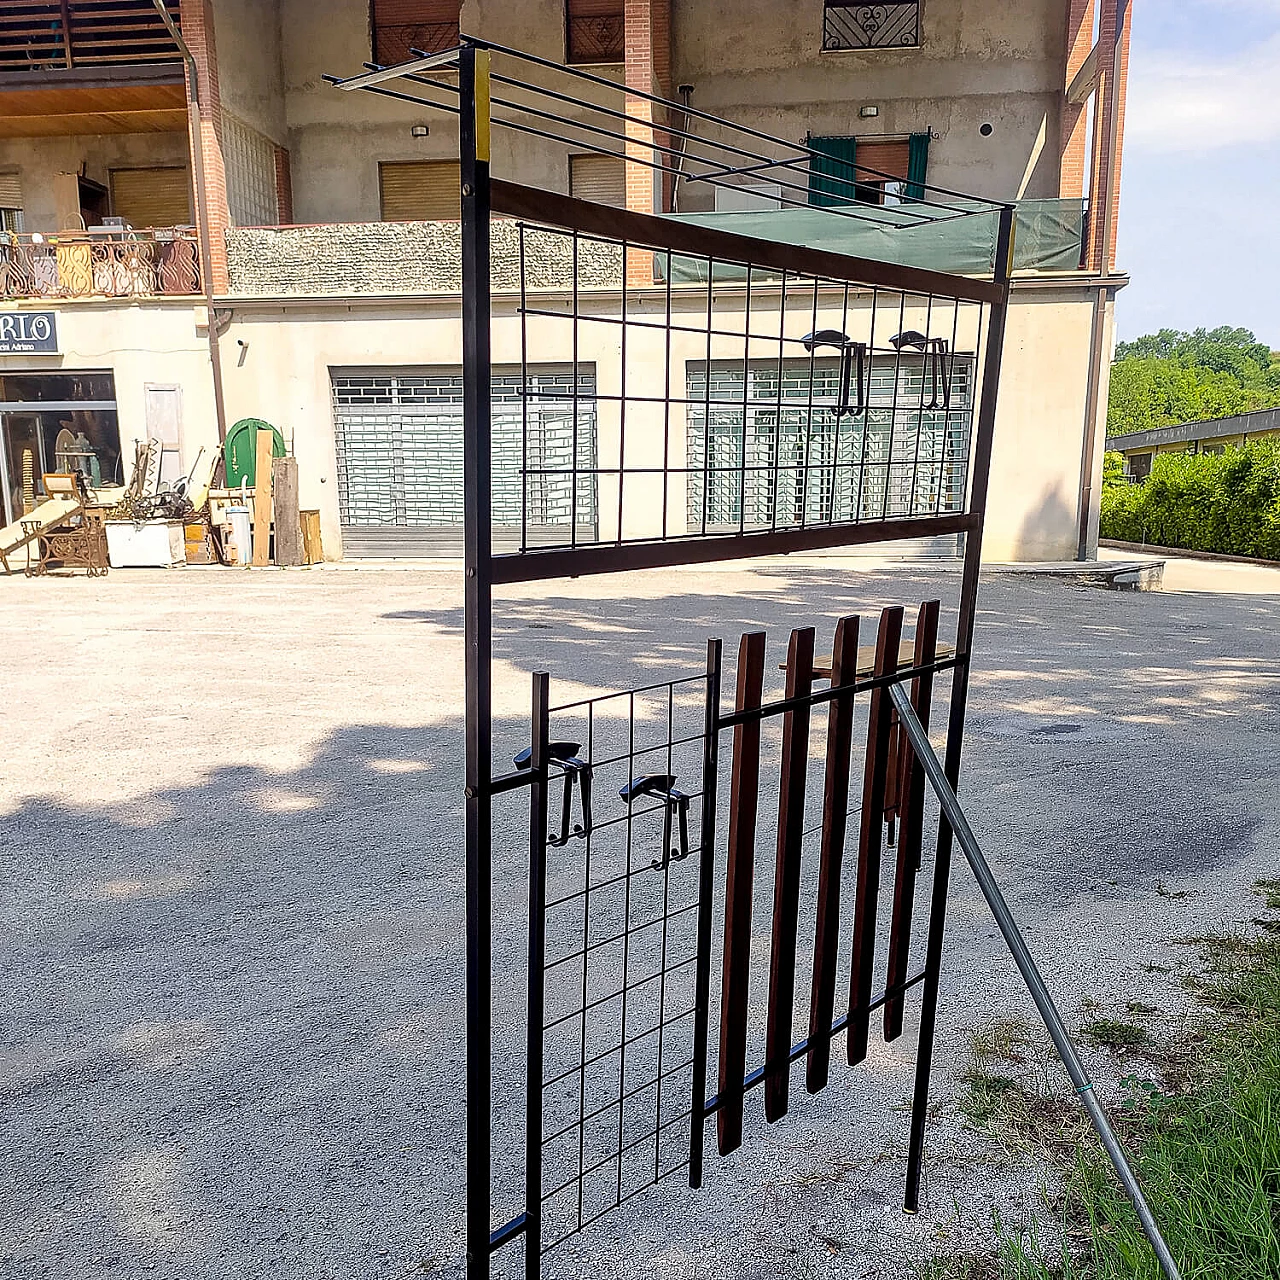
482, 105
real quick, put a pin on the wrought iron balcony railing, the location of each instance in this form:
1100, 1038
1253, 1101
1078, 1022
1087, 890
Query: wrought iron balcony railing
871, 26
49, 35
395, 43
597, 38
85, 264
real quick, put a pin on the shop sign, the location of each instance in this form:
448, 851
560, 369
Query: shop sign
24, 333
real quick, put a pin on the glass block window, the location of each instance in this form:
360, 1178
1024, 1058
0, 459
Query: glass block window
250, 160
870, 26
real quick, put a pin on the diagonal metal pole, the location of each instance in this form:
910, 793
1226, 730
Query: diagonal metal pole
1030, 973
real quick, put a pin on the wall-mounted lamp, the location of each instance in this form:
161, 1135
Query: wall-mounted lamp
869, 113
420, 131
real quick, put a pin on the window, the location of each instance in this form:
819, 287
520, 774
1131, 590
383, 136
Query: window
421, 191
400, 26
1139, 467
601, 179
870, 26
151, 197
595, 31
753, 467
869, 170
10, 202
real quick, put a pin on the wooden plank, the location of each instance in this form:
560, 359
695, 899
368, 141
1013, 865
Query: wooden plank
869, 846
786, 879
835, 820
312, 549
262, 499
744, 799
284, 484
912, 835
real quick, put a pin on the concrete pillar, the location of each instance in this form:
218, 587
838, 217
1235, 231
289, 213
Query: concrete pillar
197, 29
1075, 117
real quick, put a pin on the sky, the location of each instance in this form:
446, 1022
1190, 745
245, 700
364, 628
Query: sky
1199, 227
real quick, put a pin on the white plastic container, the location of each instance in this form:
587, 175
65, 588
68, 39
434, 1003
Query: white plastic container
238, 519
154, 544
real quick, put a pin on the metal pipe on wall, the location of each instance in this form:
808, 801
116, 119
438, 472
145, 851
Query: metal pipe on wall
194, 132
1094, 408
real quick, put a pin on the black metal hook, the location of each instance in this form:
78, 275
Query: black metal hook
850, 352
675, 804
564, 755
939, 359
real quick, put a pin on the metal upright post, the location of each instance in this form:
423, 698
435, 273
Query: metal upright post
706, 884
478, 626
536, 975
959, 700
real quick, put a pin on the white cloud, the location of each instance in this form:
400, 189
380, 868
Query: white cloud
1189, 101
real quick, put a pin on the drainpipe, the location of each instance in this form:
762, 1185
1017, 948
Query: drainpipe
1096, 354
202, 213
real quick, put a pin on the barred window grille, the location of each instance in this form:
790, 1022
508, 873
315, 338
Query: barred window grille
763, 457
595, 31
870, 26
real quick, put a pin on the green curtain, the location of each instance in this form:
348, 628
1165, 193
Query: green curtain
831, 171
917, 165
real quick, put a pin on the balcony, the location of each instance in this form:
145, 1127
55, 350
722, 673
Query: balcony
87, 67
116, 264
69, 34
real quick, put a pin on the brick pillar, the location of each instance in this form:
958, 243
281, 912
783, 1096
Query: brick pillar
1102, 197
197, 29
1075, 118
648, 69
284, 188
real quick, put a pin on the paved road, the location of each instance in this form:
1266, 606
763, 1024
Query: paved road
231, 980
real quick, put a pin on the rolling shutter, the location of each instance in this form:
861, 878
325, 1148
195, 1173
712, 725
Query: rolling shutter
599, 178
425, 191
10, 191
892, 158
151, 197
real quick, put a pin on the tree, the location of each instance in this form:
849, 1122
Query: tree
1165, 379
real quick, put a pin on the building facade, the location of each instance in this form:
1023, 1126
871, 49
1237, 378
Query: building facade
209, 231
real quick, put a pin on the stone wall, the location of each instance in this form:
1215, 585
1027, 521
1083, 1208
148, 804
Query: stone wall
373, 258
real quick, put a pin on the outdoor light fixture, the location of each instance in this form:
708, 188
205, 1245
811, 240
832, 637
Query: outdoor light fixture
420, 131
869, 113
849, 351
939, 363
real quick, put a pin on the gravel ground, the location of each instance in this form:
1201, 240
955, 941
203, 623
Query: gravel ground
231, 982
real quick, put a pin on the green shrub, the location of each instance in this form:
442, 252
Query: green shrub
1227, 503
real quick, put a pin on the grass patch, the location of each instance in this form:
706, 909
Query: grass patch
1207, 1152
1269, 890
1109, 1033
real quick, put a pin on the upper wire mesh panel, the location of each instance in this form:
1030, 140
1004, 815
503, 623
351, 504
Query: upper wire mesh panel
730, 398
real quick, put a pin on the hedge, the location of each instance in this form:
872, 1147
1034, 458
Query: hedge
1227, 502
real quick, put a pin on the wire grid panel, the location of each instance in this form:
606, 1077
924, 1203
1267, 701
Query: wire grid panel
621, 951
731, 398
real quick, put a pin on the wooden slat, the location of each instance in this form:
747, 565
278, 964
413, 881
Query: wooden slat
909, 844
262, 499
786, 879
744, 799
835, 818
869, 847
288, 521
